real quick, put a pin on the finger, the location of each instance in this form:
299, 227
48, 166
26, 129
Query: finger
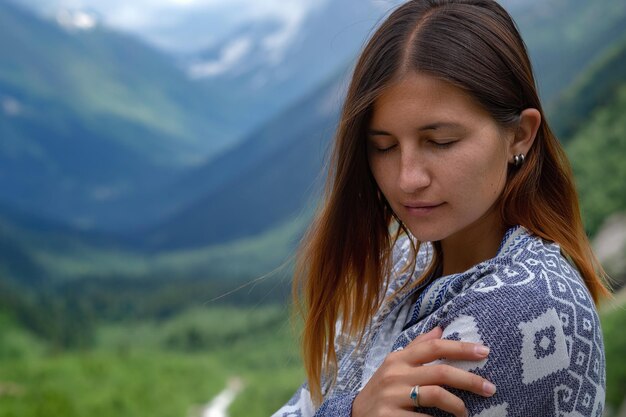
405, 413
453, 377
438, 397
433, 349
435, 333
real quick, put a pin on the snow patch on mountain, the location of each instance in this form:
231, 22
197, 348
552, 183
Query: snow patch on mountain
230, 56
77, 19
277, 43
11, 107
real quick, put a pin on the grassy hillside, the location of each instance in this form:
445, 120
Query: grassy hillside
615, 346
598, 148
597, 152
596, 87
563, 37
168, 368
172, 367
60, 255
66, 277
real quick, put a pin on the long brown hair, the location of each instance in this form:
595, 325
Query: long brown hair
342, 264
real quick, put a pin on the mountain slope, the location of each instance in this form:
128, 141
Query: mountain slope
598, 148
103, 73
596, 87
274, 71
565, 36
268, 178
56, 270
91, 119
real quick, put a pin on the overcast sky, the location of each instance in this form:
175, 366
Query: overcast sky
164, 21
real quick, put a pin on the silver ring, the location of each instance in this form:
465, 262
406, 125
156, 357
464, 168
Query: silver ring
415, 395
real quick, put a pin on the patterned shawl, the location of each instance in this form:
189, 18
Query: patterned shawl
528, 304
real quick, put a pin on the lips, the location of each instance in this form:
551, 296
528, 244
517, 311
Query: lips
422, 205
421, 208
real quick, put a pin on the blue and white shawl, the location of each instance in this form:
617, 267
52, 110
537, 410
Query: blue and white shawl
528, 304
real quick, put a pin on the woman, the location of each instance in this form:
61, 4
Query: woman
450, 236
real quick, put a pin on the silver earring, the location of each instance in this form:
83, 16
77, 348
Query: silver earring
518, 160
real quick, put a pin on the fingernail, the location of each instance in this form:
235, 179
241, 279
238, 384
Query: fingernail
489, 388
481, 350
466, 414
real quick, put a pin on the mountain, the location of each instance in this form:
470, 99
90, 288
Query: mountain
270, 177
104, 157
596, 87
240, 215
97, 126
249, 188
566, 36
91, 119
264, 63
259, 69
261, 183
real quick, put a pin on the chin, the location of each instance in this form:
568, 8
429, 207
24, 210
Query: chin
425, 234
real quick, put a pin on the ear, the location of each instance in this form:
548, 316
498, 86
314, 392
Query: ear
525, 132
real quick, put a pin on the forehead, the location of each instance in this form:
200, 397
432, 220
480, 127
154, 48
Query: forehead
421, 98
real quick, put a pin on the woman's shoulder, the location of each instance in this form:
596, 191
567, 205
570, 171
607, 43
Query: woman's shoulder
528, 277
532, 298
534, 269
531, 307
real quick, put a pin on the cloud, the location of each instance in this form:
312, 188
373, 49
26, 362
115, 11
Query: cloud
291, 15
231, 54
144, 13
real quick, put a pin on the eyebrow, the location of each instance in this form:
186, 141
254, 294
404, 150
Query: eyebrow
432, 126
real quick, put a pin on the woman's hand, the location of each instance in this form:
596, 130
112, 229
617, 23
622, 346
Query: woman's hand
387, 392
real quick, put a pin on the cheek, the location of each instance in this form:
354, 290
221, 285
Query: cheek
494, 179
383, 175
478, 178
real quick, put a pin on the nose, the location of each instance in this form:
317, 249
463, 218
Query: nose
414, 173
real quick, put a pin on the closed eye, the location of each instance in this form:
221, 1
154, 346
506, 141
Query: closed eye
442, 144
385, 149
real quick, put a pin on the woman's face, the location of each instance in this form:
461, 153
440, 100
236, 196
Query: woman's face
439, 159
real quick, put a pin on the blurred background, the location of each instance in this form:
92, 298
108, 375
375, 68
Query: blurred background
160, 159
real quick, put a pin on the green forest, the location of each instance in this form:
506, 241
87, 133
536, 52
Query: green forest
162, 368
174, 366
